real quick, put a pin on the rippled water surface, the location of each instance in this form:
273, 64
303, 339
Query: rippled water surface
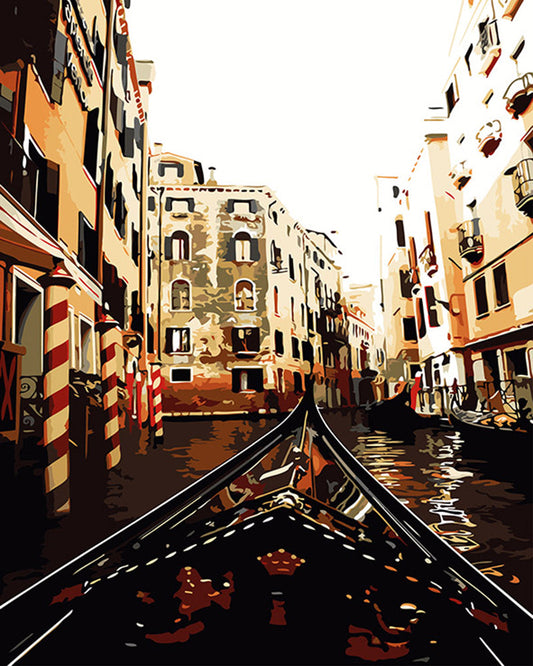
478, 501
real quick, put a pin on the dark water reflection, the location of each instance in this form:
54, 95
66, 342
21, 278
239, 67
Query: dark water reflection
480, 506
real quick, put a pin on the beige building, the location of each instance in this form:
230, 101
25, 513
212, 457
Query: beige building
235, 295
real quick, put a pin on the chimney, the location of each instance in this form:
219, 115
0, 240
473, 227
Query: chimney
212, 180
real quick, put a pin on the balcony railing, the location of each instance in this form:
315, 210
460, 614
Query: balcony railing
18, 173
523, 186
519, 94
460, 175
488, 46
428, 260
471, 241
489, 137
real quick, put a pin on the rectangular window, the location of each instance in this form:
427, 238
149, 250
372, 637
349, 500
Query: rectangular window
172, 169
178, 340
245, 340
421, 318
500, 285
400, 232
298, 386
180, 375
406, 284
87, 245
433, 312
480, 289
517, 362
246, 380
278, 342
295, 347
92, 136
451, 97
135, 245
291, 267
409, 329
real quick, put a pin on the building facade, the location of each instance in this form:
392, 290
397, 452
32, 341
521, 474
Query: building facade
65, 69
244, 302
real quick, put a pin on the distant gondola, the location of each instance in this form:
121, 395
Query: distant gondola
291, 552
481, 430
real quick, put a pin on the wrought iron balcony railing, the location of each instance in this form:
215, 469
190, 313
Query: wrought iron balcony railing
523, 186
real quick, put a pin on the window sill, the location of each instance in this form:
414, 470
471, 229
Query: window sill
502, 307
482, 315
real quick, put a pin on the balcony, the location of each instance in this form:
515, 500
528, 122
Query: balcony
18, 173
460, 175
519, 94
428, 260
470, 241
489, 137
488, 46
523, 186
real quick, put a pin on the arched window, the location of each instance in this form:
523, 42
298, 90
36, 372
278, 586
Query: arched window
244, 295
177, 246
275, 256
276, 301
181, 295
243, 246
292, 309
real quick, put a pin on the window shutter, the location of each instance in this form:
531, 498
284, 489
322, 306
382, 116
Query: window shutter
168, 340
230, 206
230, 254
168, 247
127, 141
151, 203
58, 74
235, 381
253, 206
254, 249
121, 47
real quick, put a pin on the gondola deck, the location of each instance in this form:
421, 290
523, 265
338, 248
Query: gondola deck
290, 553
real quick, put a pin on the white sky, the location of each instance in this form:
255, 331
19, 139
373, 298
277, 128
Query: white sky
311, 98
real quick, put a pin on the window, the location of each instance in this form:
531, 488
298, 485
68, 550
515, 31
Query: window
278, 342
250, 379
47, 191
433, 313
467, 57
292, 309
302, 313
243, 246
480, 289
405, 283
87, 245
275, 256
276, 301
298, 385
291, 267
171, 169
87, 360
400, 232
451, 97
241, 205
181, 295
301, 275
421, 317
500, 285
178, 341
245, 340
409, 329
295, 347
178, 375
177, 246
121, 211
135, 245
179, 206
92, 136
244, 295
517, 362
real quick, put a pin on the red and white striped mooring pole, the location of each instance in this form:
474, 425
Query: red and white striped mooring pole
156, 401
56, 389
108, 356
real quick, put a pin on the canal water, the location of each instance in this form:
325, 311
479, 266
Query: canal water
479, 501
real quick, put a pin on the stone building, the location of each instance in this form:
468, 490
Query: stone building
242, 297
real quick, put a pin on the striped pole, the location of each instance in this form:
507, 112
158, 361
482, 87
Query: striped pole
56, 389
108, 356
157, 402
